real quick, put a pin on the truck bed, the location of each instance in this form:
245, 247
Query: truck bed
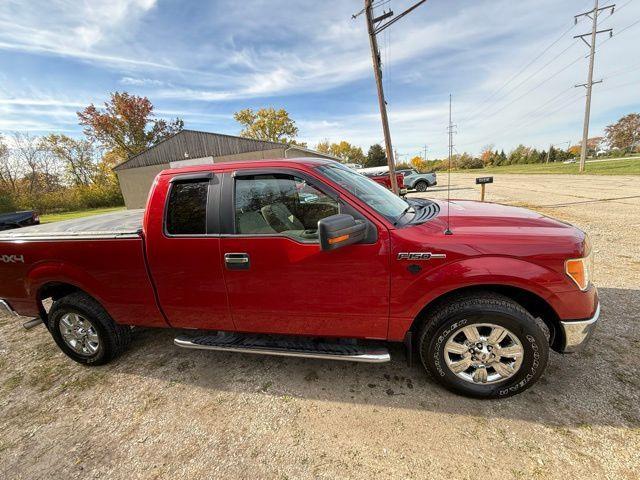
109, 225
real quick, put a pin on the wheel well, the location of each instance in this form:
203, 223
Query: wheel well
54, 291
534, 304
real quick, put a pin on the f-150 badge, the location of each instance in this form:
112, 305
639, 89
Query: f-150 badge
420, 255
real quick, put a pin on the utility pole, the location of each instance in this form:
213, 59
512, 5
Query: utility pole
450, 128
425, 154
593, 15
374, 27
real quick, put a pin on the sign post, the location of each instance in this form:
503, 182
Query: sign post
482, 181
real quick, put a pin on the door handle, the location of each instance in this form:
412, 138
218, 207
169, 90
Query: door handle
236, 261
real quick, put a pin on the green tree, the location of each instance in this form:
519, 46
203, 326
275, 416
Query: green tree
376, 156
126, 125
268, 124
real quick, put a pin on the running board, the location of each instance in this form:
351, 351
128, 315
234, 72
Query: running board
285, 347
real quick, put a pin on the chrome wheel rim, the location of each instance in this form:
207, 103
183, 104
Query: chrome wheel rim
79, 334
483, 353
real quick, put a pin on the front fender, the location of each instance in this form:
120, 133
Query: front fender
409, 298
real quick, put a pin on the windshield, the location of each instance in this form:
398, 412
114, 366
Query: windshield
373, 194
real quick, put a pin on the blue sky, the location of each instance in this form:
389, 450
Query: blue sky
203, 61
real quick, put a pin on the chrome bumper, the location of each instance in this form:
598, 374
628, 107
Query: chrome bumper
5, 306
576, 334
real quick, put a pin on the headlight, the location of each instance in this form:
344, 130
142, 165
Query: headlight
580, 270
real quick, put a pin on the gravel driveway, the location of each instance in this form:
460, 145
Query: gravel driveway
161, 412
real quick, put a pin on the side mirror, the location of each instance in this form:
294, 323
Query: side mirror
339, 231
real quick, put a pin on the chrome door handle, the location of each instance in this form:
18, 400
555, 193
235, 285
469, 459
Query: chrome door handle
236, 261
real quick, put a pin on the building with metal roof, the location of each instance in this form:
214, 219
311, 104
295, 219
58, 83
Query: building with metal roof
190, 147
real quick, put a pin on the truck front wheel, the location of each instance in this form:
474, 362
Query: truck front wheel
85, 332
483, 345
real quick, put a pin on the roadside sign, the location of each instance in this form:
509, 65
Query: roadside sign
482, 181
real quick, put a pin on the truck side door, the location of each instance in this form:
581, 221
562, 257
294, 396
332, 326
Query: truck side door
278, 280
183, 251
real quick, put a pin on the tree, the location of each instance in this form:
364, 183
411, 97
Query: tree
343, 150
39, 167
376, 156
267, 124
126, 125
574, 150
78, 157
10, 169
625, 133
487, 156
419, 163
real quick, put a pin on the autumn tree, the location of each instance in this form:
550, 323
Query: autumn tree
376, 156
625, 133
343, 150
419, 163
268, 124
126, 125
487, 155
77, 156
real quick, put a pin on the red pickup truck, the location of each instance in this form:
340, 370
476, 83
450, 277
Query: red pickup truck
309, 258
384, 179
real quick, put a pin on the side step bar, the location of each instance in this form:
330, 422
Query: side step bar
285, 347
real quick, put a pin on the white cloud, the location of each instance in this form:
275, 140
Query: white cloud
233, 53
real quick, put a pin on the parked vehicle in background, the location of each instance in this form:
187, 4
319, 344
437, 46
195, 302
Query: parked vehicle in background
308, 258
354, 166
26, 218
413, 180
381, 175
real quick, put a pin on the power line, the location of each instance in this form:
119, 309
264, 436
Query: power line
535, 87
561, 106
522, 70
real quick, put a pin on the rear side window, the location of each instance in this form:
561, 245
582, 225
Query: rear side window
187, 208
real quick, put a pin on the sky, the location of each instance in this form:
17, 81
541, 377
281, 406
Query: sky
510, 66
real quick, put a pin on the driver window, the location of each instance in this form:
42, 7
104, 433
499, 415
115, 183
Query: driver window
280, 204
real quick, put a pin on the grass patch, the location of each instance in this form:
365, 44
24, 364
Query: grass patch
58, 217
623, 166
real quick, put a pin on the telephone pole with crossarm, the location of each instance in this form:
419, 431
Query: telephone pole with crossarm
593, 15
375, 26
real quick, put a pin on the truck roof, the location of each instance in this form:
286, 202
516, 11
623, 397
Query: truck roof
235, 164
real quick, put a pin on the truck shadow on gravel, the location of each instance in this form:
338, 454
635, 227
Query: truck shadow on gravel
599, 386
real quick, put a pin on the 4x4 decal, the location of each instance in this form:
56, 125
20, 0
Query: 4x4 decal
12, 258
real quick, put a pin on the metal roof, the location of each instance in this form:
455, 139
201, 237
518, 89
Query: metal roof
193, 144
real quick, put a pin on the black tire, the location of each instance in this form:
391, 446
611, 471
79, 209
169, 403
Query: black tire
447, 319
421, 186
113, 338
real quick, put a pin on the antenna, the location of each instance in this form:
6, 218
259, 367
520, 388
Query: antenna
450, 130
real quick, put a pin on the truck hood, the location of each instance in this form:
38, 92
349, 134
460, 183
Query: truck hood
467, 215
494, 229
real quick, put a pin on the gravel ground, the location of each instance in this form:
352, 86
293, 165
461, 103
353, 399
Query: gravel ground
161, 412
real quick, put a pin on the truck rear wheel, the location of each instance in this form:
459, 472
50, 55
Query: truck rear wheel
483, 345
85, 332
